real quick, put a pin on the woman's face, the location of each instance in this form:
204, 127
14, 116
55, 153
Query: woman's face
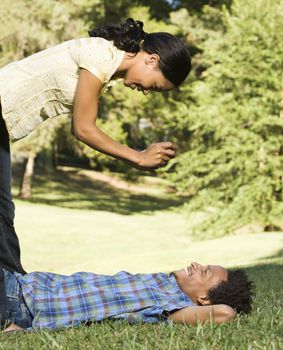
145, 75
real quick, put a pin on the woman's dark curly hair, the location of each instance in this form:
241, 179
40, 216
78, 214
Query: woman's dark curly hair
175, 60
236, 292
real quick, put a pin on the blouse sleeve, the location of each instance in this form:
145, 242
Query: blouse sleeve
97, 55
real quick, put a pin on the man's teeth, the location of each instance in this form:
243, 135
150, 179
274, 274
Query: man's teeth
186, 269
189, 271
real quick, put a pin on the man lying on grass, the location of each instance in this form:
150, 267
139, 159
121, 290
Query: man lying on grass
193, 294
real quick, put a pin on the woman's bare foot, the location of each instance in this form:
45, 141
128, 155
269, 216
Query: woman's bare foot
13, 327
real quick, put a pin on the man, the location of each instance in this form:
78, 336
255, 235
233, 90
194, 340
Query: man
193, 294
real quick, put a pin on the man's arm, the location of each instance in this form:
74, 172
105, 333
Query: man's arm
194, 314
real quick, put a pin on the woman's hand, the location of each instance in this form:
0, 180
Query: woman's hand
156, 155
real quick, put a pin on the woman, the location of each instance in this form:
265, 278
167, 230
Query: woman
69, 79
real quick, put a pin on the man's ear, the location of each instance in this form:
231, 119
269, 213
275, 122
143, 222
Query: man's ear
203, 300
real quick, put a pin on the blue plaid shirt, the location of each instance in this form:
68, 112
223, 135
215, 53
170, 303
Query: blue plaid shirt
57, 301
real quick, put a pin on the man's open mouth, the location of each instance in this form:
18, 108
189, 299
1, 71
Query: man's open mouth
189, 270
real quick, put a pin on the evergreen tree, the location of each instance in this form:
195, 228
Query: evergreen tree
28, 27
230, 122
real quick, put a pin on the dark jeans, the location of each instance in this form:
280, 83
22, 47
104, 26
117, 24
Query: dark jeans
16, 310
9, 243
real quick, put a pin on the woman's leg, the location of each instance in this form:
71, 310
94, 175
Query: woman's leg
9, 243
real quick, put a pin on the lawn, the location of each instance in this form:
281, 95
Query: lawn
77, 223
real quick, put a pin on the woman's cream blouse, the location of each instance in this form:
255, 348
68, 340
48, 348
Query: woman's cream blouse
43, 85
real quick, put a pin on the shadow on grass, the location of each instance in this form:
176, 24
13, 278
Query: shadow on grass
275, 258
266, 318
267, 275
73, 191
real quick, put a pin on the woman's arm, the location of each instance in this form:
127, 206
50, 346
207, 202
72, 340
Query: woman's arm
194, 314
84, 128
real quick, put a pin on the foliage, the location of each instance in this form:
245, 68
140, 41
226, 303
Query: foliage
198, 6
226, 119
27, 27
232, 120
30, 27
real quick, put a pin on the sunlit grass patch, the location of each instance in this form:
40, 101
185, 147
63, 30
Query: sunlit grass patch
156, 238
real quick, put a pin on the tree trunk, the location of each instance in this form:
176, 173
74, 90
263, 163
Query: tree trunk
25, 190
54, 155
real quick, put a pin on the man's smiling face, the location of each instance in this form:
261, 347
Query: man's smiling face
195, 280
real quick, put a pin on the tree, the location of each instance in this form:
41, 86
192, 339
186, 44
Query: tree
42, 139
28, 27
231, 122
197, 6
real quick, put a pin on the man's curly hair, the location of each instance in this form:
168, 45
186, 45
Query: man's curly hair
236, 292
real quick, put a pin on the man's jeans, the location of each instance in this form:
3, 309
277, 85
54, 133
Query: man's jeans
9, 243
17, 311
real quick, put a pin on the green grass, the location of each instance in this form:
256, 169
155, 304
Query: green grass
76, 189
147, 233
262, 330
